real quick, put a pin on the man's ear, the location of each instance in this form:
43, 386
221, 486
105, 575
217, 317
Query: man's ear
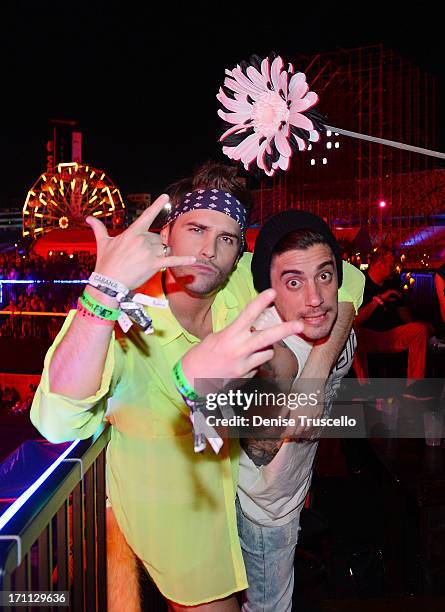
164, 234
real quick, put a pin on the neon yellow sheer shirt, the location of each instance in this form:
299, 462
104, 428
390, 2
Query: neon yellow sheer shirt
175, 508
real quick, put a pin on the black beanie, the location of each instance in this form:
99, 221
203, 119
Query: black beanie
275, 229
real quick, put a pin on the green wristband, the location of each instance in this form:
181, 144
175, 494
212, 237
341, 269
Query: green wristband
182, 383
98, 309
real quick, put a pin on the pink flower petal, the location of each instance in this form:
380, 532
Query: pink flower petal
282, 163
237, 106
298, 92
298, 86
275, 71
250, 151
261, 153
265, 69
300, 142
257, 78
243, 80
232, 130
234, 118
239, 89
309, 100
228, 151
300, 120
247, 150
284, 83
282, 144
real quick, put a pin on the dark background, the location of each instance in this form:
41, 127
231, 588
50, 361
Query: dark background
141, 77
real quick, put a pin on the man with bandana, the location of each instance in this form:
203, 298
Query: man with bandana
175, 508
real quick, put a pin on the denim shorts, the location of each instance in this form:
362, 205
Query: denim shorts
269, 554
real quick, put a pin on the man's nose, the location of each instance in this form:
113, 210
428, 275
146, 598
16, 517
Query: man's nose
208, 249
313, 295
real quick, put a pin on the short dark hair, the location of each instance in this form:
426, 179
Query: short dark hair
299, 239
212, 175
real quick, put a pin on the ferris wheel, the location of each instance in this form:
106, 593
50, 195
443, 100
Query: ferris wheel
64, 198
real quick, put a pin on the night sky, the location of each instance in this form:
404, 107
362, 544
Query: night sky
141, 77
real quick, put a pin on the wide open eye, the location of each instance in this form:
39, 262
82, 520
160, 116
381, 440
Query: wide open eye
293, 284
325, 277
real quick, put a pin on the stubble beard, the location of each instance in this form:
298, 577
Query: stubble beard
199, 284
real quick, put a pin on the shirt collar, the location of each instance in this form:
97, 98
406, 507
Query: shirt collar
166, 326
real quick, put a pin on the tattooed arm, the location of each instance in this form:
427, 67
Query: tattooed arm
282, 367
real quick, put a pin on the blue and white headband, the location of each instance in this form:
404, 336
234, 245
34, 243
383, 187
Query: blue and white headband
211, 199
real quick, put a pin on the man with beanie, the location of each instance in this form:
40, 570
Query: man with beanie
297, 255
173, 509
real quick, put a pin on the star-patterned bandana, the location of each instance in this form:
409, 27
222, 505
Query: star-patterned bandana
212, 199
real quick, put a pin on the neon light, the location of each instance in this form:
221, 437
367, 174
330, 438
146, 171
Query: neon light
110, 197
92, 199
20, 501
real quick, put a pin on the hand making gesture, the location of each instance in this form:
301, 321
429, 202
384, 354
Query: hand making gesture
136, 254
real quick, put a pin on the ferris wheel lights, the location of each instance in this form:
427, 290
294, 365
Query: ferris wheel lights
63, 222
59, 205
25, 233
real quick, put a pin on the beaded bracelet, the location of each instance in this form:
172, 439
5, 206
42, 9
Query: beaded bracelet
182, 384
98, 309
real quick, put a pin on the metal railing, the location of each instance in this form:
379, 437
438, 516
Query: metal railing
56, 541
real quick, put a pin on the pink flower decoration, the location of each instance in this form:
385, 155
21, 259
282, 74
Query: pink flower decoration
266, 110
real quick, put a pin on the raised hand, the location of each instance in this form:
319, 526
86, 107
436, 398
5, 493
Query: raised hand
237, 351
136, 254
